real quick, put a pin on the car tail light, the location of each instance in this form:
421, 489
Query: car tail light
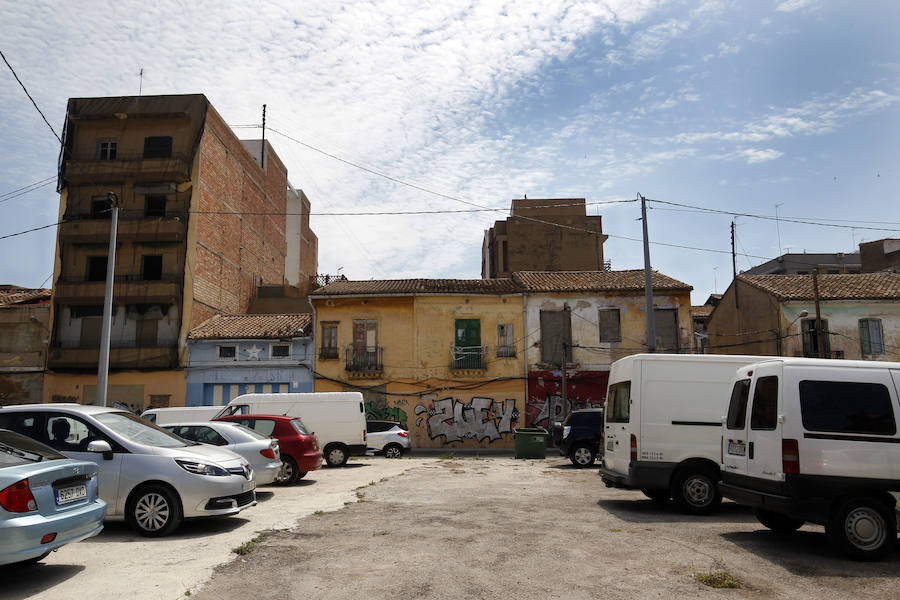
403, 434
18, 498
268, 453
364, 435
48, 538
633, 448
790, 456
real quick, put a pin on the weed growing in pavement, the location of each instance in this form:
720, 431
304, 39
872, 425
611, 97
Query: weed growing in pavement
717, 579
247, 547
360, 496
319, 512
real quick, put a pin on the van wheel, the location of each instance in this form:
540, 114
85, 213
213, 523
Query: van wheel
863, 528
776, 521
288, 473
696, 492
154, 511
582, 456
658, 496
393, 451
336, 456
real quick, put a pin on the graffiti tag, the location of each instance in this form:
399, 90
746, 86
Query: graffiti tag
374, 412
480, 419
542, 413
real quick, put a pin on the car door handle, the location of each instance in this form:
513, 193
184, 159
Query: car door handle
750, 451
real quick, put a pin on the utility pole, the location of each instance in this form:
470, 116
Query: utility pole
262, 148
778, 227
734, 267
103, 364
648, 282
820, 337
565, 396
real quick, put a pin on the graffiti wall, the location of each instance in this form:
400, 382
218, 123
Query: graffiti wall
449, 419
584, 389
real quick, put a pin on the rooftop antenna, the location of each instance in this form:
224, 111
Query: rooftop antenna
262, 146
778, 228
141, 85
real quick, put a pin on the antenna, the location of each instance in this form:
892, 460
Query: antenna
141, 85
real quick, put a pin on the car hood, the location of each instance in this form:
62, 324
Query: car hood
215, 454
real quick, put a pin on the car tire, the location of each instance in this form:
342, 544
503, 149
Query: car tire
393, 451
154, 511
696, 491
862, 528
288, 473
658, 496
582, 456
336, 455
777, 521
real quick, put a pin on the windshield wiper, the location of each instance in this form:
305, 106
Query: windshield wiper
32, 456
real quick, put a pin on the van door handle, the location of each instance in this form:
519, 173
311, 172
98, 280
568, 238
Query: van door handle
750, 451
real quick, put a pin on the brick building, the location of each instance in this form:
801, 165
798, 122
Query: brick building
201, 226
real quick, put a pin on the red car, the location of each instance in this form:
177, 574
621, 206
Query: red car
300, 451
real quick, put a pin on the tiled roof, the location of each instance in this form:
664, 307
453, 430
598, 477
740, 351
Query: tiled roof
593, 281
703, 310
12, 294
248, 327
849, 286
415, 287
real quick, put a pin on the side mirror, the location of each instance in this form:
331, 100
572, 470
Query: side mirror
101, 446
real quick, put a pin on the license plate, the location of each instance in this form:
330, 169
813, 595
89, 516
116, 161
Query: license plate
71, 494
250, 485
737, 448
609, 445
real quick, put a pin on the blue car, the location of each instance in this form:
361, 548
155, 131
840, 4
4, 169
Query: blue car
46, 500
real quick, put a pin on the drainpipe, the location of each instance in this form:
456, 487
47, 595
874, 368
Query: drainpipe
312, 340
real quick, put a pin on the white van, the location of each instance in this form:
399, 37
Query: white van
337, 418
662, 425
180, 414
819, 442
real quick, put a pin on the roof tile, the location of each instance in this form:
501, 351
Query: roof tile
843, 286
253, 327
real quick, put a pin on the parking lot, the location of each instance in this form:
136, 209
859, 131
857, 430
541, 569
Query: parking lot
456, 527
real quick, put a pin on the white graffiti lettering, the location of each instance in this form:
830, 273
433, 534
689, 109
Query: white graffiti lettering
480, 419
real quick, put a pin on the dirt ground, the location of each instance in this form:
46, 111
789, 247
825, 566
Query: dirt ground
506, 528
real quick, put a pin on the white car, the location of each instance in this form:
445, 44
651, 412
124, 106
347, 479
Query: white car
387, 438
149, 476
260, 451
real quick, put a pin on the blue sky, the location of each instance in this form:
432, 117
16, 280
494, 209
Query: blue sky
737, 106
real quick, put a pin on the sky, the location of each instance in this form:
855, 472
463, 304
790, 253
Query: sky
787, 106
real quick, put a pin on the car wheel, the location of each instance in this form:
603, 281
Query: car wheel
393, 451
696, 491
582, 456
863, 528
288, 473
658, 496
154, 511
776, 521
336, 456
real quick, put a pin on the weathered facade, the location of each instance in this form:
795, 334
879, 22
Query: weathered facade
241, 354
776, 315
24, 329
880, 255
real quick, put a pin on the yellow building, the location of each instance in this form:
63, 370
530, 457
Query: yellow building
442, 356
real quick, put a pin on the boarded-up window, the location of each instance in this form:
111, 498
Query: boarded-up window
506, 344
365, 333
666, 328
155, 205
610, 328
159, 146
556, 337
146, 332
151, 267
811, 338
96, 270
870, 339
90, 331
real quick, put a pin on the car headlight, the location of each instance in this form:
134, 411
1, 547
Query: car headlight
201, 468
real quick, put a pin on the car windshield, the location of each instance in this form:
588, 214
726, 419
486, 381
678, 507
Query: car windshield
133, 428
17, 450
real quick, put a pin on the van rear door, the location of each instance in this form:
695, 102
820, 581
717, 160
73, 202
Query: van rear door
734, 435
764, 437
618, 427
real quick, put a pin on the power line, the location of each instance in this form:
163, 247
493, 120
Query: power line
30, 98
9, 235
24, 190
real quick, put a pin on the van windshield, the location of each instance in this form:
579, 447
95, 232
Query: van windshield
618, 403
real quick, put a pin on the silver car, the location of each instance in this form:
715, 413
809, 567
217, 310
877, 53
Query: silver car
149, 476
387, 438
260, 451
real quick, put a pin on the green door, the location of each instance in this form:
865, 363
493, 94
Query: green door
467, 341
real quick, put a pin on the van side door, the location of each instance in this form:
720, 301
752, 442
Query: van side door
764, 437
734, 434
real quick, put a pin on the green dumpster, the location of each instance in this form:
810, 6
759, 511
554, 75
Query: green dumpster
531, 442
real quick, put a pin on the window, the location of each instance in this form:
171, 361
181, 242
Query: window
155, 205
610, 327
329, 348
101, 207
158, 146
467, 350
811, 338
667, 337
106, 149
151, 268
146, 332
79, 312
764, 415
96, 269
618, 403
197, 433
227, 352
363, 354
280, 351
846, 407
870, 339
506, 343
556, 337
737, 408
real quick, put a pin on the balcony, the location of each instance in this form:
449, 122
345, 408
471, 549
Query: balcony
148, 229
364, 361
468, 358
133, 167
127, 288
135, 357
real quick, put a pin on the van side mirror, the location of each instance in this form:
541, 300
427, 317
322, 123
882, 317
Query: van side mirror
102, 447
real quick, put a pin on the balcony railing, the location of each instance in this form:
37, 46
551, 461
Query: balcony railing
468, 357
88, 168
366, 359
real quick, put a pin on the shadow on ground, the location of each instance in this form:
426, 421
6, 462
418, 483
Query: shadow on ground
644, 510
120, 531
22, 582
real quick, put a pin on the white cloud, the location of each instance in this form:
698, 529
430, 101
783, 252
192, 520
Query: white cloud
793, 5
753, 155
